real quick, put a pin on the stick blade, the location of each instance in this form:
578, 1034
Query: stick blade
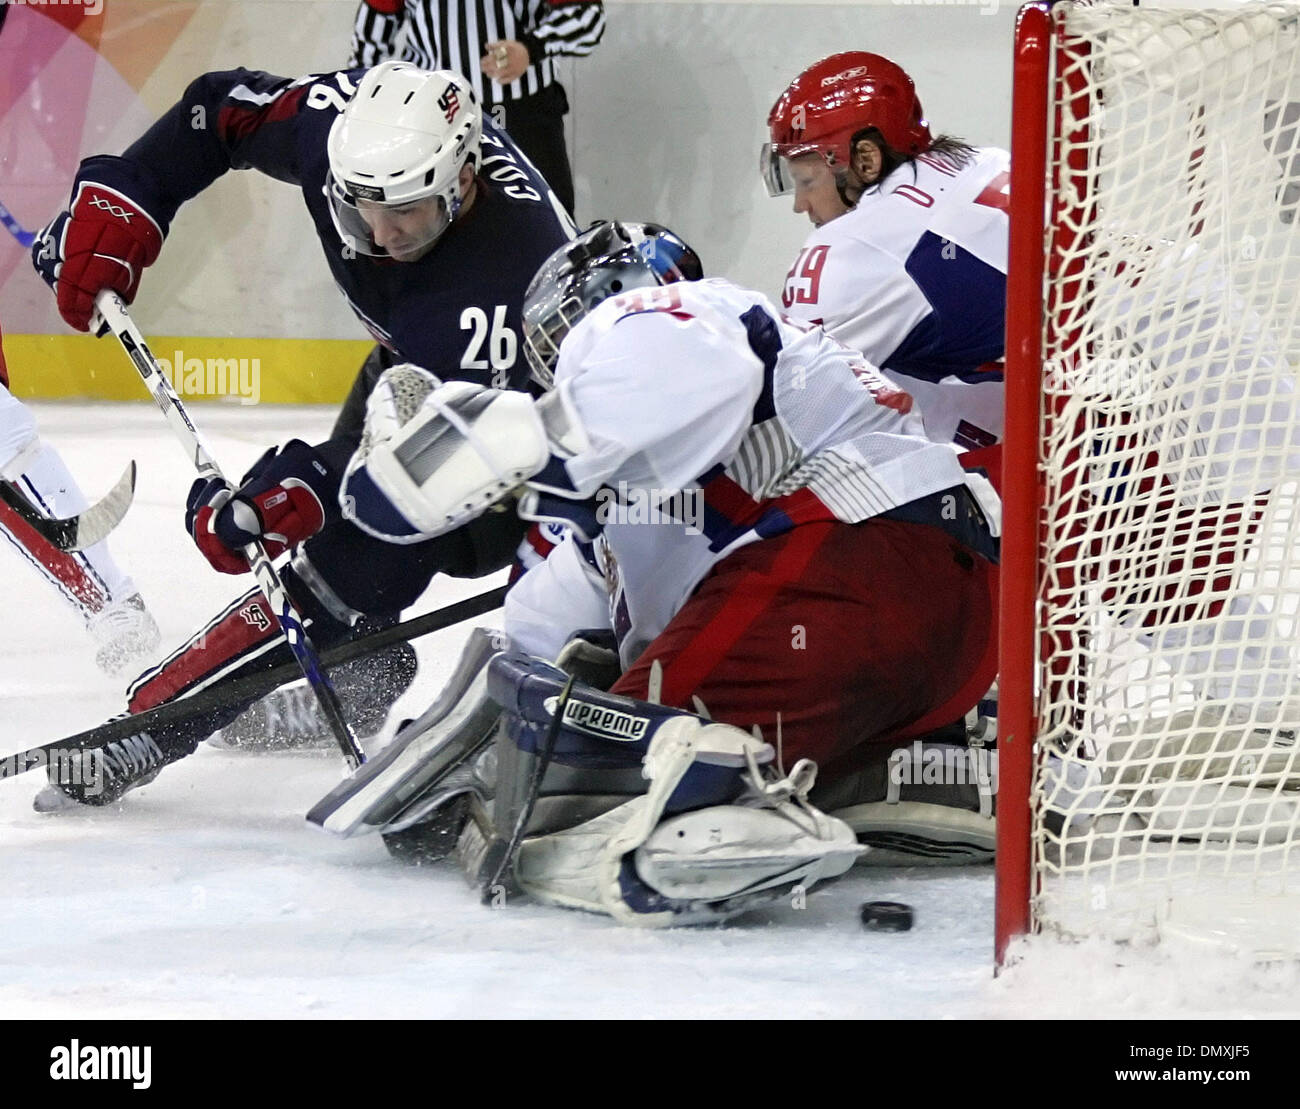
100, 518
76, 533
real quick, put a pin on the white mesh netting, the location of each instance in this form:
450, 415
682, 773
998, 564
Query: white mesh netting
1167, 791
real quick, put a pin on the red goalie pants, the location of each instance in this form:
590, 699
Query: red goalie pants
851, 634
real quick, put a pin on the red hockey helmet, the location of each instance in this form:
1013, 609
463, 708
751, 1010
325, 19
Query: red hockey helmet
835, 99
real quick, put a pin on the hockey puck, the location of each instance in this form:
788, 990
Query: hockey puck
886, 916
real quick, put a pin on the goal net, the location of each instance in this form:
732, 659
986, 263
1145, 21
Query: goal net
1156, 182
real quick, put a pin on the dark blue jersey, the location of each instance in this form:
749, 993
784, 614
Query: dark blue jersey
456, 311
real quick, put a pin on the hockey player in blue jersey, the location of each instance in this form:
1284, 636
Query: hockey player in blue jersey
432, 225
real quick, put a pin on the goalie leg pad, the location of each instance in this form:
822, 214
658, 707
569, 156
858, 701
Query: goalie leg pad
700, 866
423, 768
924, 804
415, 791
598, 752
713, 833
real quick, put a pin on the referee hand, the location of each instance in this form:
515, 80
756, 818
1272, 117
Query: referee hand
504, 61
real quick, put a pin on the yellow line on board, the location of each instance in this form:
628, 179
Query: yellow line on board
237, 371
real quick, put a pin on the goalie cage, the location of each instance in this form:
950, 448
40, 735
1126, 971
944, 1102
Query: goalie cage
1151, 566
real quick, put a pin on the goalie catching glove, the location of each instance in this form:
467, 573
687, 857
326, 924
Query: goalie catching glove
280, 502
435, 455
104, 240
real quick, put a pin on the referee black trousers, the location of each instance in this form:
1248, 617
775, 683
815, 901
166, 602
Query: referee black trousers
536, 123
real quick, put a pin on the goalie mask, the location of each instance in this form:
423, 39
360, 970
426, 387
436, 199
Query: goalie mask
396, 152
608, 258
830, 104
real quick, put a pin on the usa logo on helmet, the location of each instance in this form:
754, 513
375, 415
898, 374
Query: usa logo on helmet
449, 102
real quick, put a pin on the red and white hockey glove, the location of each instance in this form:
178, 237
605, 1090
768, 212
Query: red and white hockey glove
103, 241
282, 502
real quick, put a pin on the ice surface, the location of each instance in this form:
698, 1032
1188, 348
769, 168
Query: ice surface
206, 893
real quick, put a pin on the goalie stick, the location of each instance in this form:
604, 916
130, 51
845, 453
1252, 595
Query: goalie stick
112, 311
85, 529
251, 685
499, 856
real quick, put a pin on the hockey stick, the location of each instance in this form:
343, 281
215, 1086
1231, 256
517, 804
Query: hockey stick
113, 312
85, 529
16, 229
250, 686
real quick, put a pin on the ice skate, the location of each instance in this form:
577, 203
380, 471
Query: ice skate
290, 719
100, 776
126, 636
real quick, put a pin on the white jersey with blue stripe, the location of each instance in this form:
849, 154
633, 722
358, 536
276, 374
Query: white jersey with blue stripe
914, 277
690, 420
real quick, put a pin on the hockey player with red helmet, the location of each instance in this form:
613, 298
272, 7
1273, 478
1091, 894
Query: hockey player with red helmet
907, 264
907, 260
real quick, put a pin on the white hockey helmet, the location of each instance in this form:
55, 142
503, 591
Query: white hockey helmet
403, 138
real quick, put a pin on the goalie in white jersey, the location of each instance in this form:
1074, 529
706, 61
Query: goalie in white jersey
907, 263
757, 518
